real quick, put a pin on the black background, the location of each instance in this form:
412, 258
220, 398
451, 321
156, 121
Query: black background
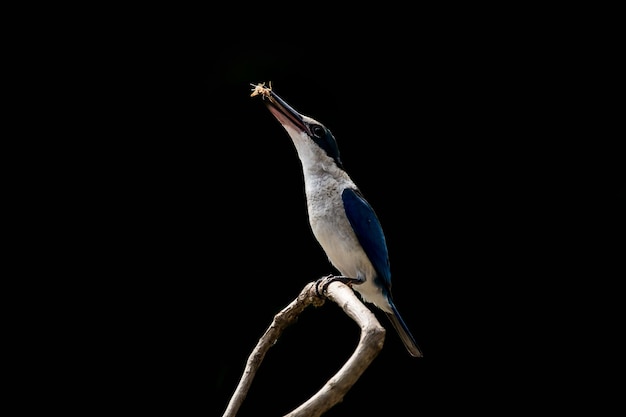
183, 199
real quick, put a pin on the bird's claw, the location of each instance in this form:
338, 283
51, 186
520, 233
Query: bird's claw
324, 282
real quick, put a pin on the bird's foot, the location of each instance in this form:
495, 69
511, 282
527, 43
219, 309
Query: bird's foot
324, 282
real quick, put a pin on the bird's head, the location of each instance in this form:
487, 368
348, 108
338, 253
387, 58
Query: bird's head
313, 141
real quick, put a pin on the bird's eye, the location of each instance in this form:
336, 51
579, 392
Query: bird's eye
317, 130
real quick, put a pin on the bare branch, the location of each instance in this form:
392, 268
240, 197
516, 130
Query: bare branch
370, 344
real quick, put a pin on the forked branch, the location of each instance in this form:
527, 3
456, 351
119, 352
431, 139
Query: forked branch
370, 345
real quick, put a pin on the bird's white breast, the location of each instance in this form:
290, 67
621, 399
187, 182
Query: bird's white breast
335, 234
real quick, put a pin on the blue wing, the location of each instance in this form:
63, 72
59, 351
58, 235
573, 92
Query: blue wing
369, 232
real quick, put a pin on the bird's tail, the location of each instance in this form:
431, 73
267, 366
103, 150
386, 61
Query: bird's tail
404, 333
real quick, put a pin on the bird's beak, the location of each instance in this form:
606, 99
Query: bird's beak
286, 115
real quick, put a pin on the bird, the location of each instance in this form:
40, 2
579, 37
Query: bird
341, 219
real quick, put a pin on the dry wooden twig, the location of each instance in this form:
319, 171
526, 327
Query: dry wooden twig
370, 345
